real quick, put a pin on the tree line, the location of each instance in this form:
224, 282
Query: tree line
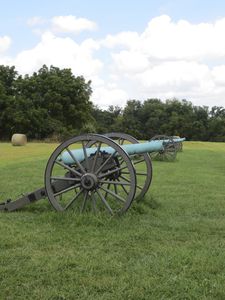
171, 117
53, 103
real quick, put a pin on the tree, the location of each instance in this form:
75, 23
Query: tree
131, 122
107, 120
8, 77
216, 126
201, 123
152, 117
51, 101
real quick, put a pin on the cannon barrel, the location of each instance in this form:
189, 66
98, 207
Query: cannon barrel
131, 149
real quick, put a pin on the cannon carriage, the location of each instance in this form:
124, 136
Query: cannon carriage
179, 145
173, 145
93, 172
169, 151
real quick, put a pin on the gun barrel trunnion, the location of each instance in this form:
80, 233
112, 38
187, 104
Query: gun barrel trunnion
96, 172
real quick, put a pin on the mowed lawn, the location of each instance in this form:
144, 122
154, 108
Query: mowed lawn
169, 246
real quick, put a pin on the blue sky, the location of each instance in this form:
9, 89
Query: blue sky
110, 61
111, 16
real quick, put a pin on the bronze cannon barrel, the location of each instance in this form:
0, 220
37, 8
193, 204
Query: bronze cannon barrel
131, 149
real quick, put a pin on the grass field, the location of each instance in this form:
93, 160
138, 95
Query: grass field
171, 246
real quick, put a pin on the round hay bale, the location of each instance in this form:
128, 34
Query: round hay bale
19, 139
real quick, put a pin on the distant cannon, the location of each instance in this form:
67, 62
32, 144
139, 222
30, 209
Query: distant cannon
169, 152
93, 172
179, 145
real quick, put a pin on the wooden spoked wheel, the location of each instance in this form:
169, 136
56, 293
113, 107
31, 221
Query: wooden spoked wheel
84, 179
179, 145
169, 152
141, 162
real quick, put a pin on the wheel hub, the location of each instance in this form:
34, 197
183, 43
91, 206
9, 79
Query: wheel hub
89, 181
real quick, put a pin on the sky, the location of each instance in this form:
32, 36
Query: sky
136, 49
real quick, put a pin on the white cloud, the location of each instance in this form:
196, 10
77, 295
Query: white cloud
109, 95
35, 21
128, 39
218, 74
5, 43
171, 59
60, 52
164, 39
182, 79
72, 24
168, 59
130, 61
175, 75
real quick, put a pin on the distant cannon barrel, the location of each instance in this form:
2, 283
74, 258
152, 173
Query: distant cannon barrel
177, 140
131, 149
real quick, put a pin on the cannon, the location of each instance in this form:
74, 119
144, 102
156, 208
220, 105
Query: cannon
93, 172
169, 152
179, 145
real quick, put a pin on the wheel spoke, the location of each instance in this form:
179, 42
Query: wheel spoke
65, 178
108, 187
114, 182
138, 161
112, 172
138, 173
85, 201
66, 190
95, 159
113, 194
122, 185
68, 168
124, 178
115, 188
93, 202
121, 141
85, 156
74, 198
120, 159
138, 186
105, 162
141, 174
105, 202
75, 160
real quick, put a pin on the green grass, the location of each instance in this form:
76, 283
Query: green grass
170, 246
